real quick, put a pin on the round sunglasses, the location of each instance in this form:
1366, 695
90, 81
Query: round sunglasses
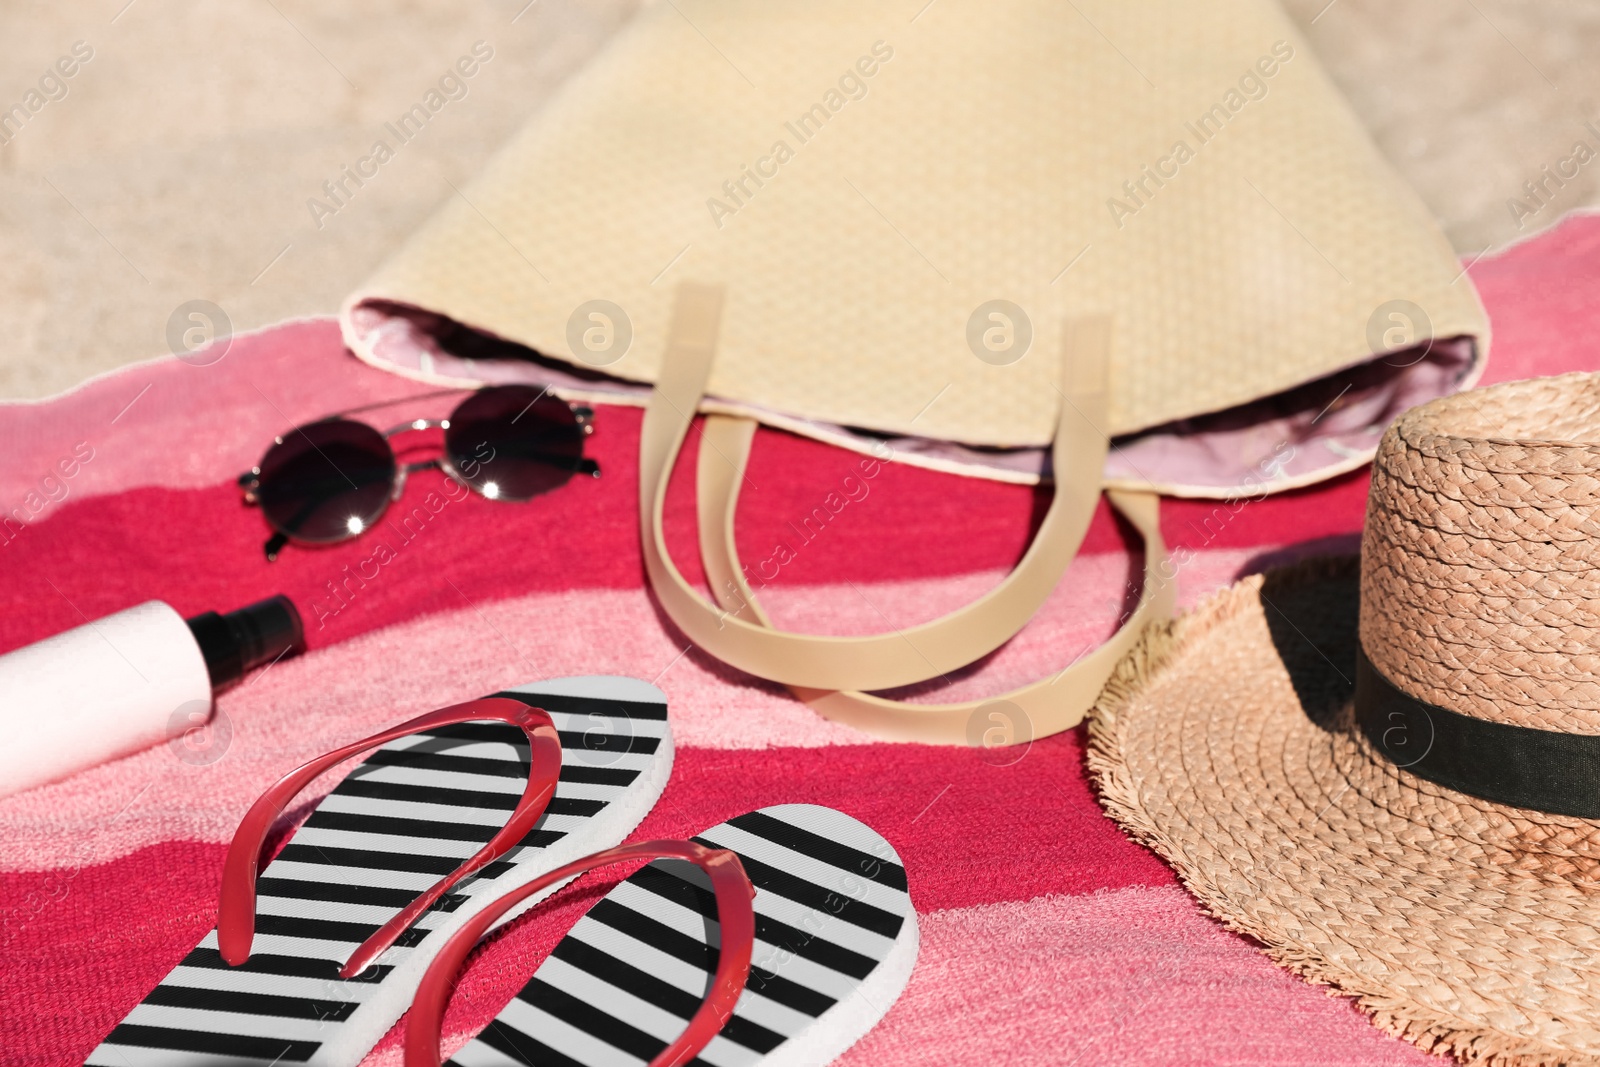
332, 479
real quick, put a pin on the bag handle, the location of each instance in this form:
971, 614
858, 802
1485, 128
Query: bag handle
1049, 706
900, 657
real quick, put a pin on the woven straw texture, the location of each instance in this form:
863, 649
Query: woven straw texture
1481, 583
1227, 741
983, 158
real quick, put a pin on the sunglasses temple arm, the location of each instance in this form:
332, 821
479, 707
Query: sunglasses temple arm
274, 545
578, 465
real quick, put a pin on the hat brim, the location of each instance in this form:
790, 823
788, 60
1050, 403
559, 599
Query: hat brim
1226, 743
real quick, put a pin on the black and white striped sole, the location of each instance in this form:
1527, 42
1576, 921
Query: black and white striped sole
836, 940
401, 820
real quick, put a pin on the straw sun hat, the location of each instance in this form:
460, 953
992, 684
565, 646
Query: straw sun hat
1388, 770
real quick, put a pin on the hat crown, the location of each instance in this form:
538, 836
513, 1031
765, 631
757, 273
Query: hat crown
1480, 561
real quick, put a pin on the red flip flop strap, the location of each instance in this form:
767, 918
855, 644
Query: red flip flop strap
735, 915
236, 913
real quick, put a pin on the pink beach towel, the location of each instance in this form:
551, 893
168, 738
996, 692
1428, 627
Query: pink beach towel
1048, 936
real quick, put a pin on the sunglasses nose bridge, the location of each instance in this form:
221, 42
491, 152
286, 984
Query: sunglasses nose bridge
441, 461
416, 424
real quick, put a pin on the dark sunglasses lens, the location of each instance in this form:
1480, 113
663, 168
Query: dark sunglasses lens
327, 481
513, 442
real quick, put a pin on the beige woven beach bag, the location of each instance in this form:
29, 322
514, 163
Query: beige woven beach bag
989, 236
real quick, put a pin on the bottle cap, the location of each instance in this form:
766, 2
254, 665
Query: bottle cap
240, 641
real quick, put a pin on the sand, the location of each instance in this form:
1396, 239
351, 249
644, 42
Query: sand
179, 164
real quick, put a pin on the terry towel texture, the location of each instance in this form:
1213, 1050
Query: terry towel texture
1048, 935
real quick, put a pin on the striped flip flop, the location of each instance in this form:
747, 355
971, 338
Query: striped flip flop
403, 820
808, 954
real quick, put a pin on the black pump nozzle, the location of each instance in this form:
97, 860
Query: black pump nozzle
240, 641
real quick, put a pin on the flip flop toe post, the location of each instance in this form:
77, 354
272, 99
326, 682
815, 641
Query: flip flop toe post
831, 943
373, 884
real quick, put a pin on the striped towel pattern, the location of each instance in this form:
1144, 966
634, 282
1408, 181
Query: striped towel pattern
1047, 937
410, 813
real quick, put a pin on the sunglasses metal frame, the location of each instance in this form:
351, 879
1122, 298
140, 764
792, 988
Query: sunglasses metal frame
250, 481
